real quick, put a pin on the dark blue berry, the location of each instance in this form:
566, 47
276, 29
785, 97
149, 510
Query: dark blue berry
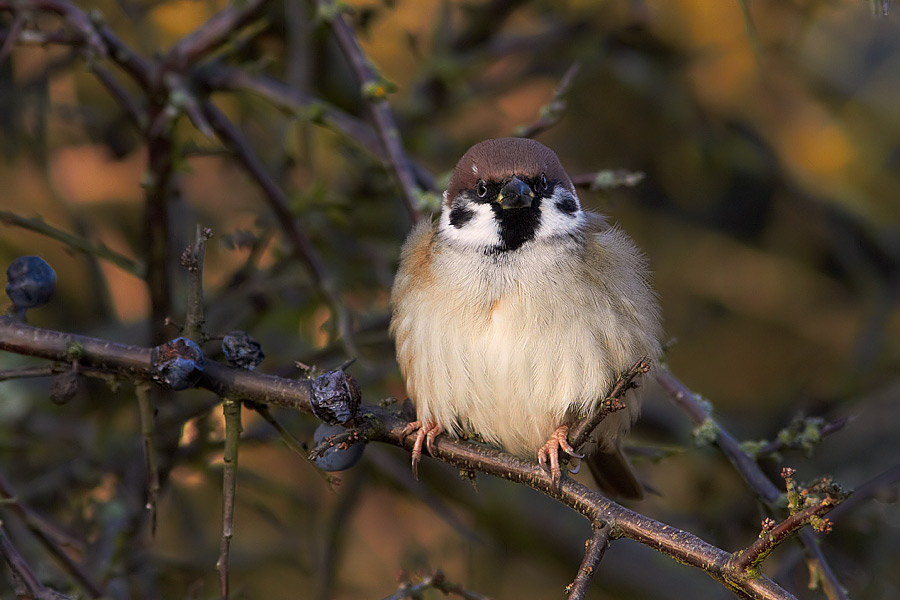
241, 350
30, 282
342, 455
178, 363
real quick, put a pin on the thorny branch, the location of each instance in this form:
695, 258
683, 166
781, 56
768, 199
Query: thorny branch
438, 581
25, 513
594, 550
374, 91
232, 411
379, 424
26, 582
750, 471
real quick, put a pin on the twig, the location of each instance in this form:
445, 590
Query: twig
280, 205
750, 471
750, 557
27, 584
290, 441
582, 431
136, 114
553, 111
594, 550
380, 424
375, 96
232, 411
100, 250
215, 32
135, 362
26, 372
437, 581
318, 111
192, 260
608, 179
11, 37
866, 491
148, 418
31, 520
786, 439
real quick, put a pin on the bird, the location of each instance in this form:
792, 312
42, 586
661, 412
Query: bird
515, 312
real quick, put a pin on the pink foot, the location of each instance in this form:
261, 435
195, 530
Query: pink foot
559, 440
424, 433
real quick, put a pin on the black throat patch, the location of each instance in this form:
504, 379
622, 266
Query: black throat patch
517, 225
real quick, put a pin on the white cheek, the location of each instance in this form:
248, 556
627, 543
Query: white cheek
479, 231
556, 223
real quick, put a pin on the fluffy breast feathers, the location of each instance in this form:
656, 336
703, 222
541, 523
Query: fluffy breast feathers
510, 346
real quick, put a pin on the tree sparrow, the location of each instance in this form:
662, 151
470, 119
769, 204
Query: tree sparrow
515, 313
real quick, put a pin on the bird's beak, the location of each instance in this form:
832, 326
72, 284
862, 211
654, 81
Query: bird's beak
515, 194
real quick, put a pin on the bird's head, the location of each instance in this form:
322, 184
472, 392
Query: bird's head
507, 192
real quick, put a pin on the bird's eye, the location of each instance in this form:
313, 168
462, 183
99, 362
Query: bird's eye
481, 189
542, 183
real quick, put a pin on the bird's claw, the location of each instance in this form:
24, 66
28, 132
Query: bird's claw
559, 440
425, 433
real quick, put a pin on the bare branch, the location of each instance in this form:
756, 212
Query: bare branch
436, 581
380, 424
34, 524
215, 32
625, 382
280, 205
749, 470
27, 584
232, 410
375, 94
148, 419
751, 557
553, 111
100, 250
594, 550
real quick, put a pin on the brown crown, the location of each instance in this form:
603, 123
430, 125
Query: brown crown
501, 158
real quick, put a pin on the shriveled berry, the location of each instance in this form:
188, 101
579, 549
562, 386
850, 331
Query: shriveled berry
340, 456
241, 350
64, 387
30, 282
178, 363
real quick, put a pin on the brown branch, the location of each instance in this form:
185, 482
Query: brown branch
225, 78
147, 413
280, 205
33, 522
608, 179
27, 585
379, 424
752, 556
552, 112
375, 96
582, 431
750, 471
96, 36
215, 32
232, 411
75, 242
867, 490
11, 37
594, 550
438, 581
134, 362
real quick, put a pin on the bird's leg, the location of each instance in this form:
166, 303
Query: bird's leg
559, 440
425, 432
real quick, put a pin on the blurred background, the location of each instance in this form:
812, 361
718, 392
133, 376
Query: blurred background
768, 133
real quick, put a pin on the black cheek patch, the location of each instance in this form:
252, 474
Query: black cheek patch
460, 215
567, 205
